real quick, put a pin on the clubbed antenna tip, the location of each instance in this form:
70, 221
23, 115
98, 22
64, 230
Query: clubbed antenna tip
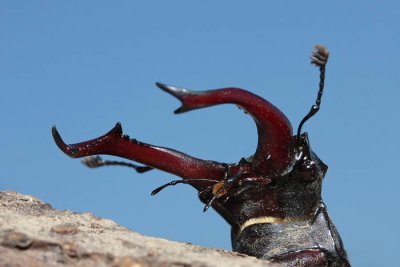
319, 56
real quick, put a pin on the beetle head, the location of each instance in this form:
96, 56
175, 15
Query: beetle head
245, 194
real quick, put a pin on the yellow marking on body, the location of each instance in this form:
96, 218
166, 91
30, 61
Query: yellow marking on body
269, 219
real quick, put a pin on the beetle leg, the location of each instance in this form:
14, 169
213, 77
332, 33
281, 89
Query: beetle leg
97, 161
115, 143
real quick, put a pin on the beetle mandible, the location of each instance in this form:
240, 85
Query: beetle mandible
272, 200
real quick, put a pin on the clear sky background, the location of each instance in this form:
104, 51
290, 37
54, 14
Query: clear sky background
84, 65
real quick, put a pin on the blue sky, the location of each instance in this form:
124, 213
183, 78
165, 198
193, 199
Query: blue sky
84, 65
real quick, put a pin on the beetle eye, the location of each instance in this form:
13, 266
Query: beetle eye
308, 170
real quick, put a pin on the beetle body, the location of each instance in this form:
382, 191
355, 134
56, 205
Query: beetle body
272, 200
308, 242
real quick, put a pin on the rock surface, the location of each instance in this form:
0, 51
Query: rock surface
32, 233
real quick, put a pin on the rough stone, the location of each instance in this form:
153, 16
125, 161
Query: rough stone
32, 233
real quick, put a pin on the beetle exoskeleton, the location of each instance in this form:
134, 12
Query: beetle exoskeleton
272, 199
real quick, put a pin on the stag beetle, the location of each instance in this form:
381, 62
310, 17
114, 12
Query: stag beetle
272, 200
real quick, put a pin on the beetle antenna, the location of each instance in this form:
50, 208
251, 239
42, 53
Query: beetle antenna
175, 182
97, 161
319, 58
